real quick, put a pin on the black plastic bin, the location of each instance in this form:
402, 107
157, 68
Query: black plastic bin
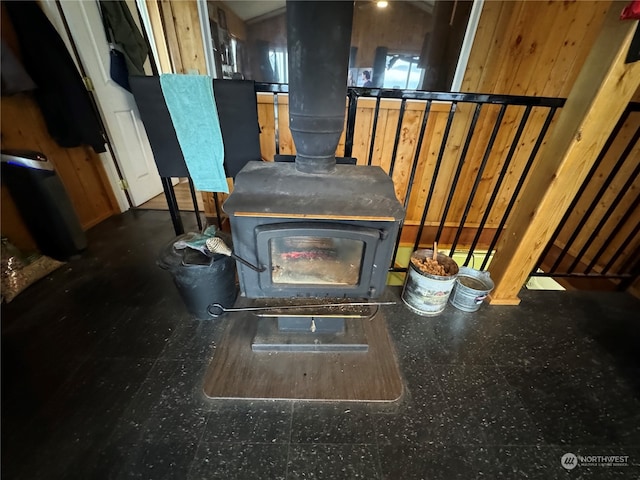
43, 203
201, 280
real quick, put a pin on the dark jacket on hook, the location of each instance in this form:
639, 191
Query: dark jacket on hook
124, 33
65, 103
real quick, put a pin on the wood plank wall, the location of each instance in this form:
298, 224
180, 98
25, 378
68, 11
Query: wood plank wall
532, 48
79, 168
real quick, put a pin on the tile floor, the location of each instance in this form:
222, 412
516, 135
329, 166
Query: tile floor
102, 371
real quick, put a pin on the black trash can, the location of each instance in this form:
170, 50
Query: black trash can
201, 280
43, 203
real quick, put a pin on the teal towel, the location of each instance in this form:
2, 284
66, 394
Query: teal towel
192, 108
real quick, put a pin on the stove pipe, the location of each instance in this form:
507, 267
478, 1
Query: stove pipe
319, 39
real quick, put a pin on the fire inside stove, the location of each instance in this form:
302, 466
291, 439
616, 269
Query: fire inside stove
316, 260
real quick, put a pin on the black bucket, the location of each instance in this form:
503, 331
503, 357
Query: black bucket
201, 280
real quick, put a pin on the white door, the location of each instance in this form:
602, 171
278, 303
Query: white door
117, 106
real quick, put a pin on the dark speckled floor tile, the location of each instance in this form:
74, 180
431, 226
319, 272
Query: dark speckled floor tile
102, 372
483, 408
252, 422
79, 419
193, 339
105, 463
548, 328
239, 461
545, 462
588, 406
172, 383
424, 462
453, 337
332, 423
425, 425
333, 462
433, 462
531, 462
159, 460
167, 405
182, 424
146, 338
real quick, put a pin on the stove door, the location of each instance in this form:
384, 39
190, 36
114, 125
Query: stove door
317, 258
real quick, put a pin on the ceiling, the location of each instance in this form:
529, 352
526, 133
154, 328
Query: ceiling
249, 10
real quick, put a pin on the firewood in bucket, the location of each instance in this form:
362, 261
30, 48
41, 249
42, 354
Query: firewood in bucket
430, 265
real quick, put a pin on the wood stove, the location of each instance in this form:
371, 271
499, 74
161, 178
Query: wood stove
314, 228
313, 235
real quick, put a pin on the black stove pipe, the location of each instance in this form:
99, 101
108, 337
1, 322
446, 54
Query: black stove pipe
319, 40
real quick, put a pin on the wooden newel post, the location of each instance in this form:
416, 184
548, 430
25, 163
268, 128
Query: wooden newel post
602, 91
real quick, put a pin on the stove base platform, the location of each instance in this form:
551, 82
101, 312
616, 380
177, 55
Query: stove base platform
310, 334
238, 372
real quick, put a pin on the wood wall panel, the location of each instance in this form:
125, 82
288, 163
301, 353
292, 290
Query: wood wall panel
79, 168
187, 30
159, 36
532, 48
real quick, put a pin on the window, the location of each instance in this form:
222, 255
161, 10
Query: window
422, 45
403, 72
278, 60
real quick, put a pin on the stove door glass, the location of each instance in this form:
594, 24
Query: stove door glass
316, 260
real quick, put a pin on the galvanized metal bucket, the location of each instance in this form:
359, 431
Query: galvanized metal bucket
470, 290
427, 294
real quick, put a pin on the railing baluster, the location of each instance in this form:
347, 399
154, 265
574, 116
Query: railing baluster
416, 157
194, 199
434, 179
414, 167
476, 183
583, 187
216, 201
373, 131
172, 203
604, 218
276, 129
352, 110
634, 272
620, 250
456, 177
396, 142
523, 176
496, 188
596, 199
613, 234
